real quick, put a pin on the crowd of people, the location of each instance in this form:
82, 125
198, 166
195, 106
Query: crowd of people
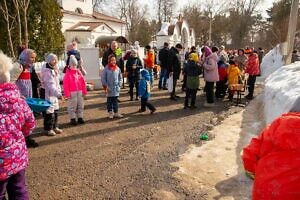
221, 69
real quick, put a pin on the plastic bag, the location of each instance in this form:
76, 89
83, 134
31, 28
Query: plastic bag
170, 83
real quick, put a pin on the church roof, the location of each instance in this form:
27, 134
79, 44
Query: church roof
88, 26
95, 15
107, 17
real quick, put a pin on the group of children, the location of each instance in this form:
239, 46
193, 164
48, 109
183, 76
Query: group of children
47, 86
217, 67
74, 86
112, 80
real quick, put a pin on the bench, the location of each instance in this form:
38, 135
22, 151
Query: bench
240, 89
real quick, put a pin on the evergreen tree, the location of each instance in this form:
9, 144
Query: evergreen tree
44, 26
279, 20
146, 32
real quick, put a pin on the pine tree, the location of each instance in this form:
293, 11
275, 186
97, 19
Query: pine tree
44, 26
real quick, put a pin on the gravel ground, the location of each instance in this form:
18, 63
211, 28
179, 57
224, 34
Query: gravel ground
128, 158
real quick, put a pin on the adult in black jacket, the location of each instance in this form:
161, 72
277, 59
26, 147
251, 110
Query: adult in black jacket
174, 67
163, 59
133, 67
113, 49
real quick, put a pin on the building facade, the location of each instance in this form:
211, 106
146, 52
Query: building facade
82, 24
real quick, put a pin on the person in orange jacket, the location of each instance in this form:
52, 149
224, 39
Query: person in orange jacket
149, 62
273, 158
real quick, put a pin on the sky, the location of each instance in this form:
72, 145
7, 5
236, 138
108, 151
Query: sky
181, 3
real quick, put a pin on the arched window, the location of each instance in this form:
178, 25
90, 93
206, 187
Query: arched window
78, 10
75, 39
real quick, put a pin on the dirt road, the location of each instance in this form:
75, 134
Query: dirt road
128, 158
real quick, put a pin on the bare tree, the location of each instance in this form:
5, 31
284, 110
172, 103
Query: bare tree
133, 14
9, 20
24, 4
165, 9
16, 4
103, 5
242, 13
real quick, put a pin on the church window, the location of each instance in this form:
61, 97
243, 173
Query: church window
78, 10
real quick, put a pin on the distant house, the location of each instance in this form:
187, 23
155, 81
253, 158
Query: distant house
82, 24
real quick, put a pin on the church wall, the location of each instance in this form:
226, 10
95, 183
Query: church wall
84, 37
70, 20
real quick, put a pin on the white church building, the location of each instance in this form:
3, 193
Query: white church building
81, 23
176, 31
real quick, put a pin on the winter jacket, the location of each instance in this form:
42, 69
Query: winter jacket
16, 122
118, 54
210, 67
174, 62
149, 60
241, 61
106, 54
133, 74
112, 80
73, 82
76, 53
192, 71
50, 82
163, 57
223, 56
144, 85
252, 67
233, 74
274, 159
222, 70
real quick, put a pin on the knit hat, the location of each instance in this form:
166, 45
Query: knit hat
50, 57
73, 61
194, 57
5, 67
24, 57
207, 51
133, 51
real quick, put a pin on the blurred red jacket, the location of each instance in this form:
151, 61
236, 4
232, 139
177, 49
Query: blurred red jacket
252, 67
274, 159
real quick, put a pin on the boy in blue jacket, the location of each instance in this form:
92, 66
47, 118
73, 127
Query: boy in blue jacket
144, 92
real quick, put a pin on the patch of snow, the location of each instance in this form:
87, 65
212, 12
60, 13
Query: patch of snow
272, 61
282, 89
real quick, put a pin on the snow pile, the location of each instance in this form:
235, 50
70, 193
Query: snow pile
282, 88
271, 62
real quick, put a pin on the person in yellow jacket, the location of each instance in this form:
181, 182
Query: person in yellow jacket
233, 76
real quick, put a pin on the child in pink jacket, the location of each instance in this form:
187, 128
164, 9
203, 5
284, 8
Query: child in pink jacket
74, 91
16, 122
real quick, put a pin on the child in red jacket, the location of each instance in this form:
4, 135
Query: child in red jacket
17, 122
273, 158
221, 84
